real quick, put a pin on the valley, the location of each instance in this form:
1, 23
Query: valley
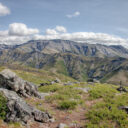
63, 64
80, 61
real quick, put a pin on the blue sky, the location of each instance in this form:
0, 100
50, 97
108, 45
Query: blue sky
97, 16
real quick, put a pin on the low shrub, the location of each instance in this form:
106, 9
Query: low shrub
3, 106
102, 91
67, 104
108, 111
65, 93
50, 88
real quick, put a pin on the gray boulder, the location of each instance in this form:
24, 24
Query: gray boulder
62, 125
68, 83
9, 80
124, 108
57, 80
45, 84
71, 83
20, 111
122, 89
86, 90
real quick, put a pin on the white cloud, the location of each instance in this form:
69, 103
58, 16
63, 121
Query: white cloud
56, 30
4, 10
3, 33
88, 37
20, 29
11, 40
75, 14
61, 29
50, 32
19, 33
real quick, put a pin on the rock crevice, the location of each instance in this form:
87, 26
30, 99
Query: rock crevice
14, 88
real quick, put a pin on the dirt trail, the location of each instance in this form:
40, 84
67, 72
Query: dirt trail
76, 116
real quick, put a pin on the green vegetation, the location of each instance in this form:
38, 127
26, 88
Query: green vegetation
50, 88
15, 125
102, 113
37, 76
108, 76
3, 106
102, 91
84, 76
61, 68
101, 104
2, 68
67, 104
66, 97
31, 76
106, 112
37, 103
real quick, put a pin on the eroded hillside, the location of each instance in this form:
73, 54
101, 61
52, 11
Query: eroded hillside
81, 61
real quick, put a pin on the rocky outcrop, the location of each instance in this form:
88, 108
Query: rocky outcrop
122, 89
71, 83
9, 80
50, 82
13, 89
124, 108
20, 111
80, 60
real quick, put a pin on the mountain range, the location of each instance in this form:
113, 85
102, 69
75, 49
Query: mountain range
81, 61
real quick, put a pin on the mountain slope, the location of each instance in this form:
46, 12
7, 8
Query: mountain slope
65, 46
80, 61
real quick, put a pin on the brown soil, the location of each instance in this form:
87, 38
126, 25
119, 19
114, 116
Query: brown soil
76, 116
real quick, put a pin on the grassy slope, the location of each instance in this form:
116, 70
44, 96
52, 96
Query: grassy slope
115, 77
76, 66
61, 68
37, 76
99, 107
102, 113
105, 114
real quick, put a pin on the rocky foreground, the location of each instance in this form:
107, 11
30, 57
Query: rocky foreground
14, 90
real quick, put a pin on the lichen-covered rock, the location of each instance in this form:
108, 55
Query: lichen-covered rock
14, 88
20, 111
9, 80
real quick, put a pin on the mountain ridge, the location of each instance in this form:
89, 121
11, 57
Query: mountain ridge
80, 61
62, 46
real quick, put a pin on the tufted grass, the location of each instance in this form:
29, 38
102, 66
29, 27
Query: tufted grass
3, 107
102, 91
66, 97
106, 113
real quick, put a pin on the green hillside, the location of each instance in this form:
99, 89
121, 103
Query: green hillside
79, 61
